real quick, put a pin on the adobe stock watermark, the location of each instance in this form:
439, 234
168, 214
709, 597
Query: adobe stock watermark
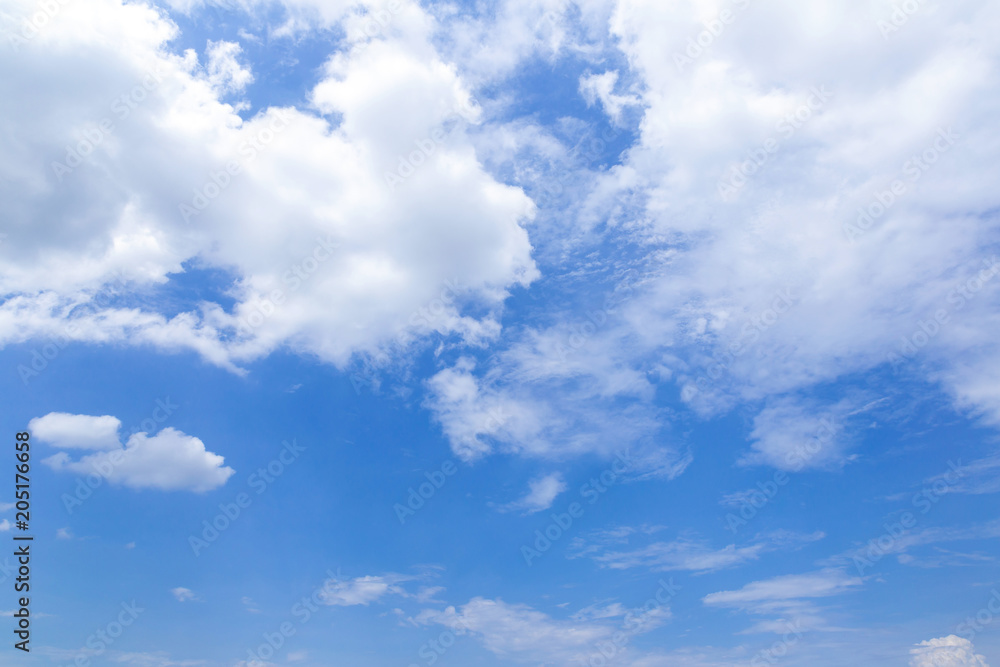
303, 611
703, 41
560, 524
900, 16
259, 481
425, 147
432, 649
751, 503
33, 24
418, 497
927, 330
85, 486
42, 356
218, 181
973, 625
376, 21
297, 275
428, 316
762, 155
122, 107
635, 620
554, 185
913, 169
424, 491
593, 321
924, 501
780, 648
6, 569
749, 335
103, 638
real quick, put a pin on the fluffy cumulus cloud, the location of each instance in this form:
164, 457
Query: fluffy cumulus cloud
336, 223
950, 651
66, 431
799, 221
883, 251
169, 460
790, 222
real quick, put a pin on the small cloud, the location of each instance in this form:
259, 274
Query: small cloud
225, 73
250, 605
542, 492
296, 656
170, 460
600, 611
6, 507
600, 88
67, 431
130, 545
183, 594
36, 615
427, 593
362, 590
64, 534
950, 651
4, 525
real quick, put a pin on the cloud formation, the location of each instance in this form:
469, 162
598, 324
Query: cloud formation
169, 460
950, 651
338, 225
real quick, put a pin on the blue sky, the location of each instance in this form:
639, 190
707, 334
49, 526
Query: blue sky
553, 333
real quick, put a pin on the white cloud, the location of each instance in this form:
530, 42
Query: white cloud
900, 542
520, 632
169, 460
361, 590
224, 71
714, 269
352, 261
823, 583
733, 258
64, 534
950, 651
183, 594
426, 594
789, 599
67, 431
546, 399
600, 88
158, 659
686, 553
977, 477
790, 435
541, 494
596, 612
763, 296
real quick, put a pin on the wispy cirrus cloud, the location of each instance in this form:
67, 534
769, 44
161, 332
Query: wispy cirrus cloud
686, 553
